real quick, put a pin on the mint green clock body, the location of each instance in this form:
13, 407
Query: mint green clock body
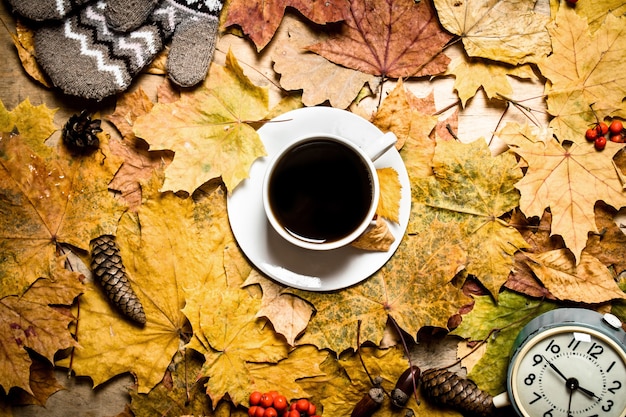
569, 362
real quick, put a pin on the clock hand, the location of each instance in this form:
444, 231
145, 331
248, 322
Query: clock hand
569, 403
587, 392
554, 368
577, 387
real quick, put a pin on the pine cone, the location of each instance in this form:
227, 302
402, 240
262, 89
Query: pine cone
450, 390
107, 266
80, 133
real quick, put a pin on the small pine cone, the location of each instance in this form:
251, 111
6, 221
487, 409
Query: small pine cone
450, 390
107, 266
80, 133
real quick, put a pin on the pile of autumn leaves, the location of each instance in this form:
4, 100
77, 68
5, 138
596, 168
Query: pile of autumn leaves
534, 226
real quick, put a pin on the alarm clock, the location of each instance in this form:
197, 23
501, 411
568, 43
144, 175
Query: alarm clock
568, 362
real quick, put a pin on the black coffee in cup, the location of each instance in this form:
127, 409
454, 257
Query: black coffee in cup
320, 190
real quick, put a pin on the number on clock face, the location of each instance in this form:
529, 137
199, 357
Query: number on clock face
571, 372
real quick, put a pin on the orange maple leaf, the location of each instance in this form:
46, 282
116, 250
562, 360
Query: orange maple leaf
260, 19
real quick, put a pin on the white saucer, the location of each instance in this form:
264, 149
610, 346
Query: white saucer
285, 263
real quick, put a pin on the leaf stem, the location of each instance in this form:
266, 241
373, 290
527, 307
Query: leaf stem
408, 356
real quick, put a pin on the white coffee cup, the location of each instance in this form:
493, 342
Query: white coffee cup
321, 191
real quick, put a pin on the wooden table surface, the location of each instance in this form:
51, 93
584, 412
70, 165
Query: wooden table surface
478, 119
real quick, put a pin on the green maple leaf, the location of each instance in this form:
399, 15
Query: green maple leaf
506, 318
209, 129
414, 288
472, 189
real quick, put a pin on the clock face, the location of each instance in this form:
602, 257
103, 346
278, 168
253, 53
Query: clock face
569, 371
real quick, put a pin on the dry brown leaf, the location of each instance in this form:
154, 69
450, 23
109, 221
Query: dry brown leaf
289, 314
25, 45
589, 281
377, 238
260, 19
320, 79
139, 162
392, 38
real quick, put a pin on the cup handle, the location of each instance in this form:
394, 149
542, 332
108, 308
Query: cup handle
378, 147
501, 400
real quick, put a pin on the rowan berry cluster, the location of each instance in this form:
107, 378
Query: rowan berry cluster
273, 404
599, 132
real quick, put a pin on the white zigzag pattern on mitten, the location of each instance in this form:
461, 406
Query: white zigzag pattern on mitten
115, 70
137, 48
61, 7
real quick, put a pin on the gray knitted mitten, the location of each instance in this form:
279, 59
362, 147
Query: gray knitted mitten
45, 9
194, 25
126, 15
85, 57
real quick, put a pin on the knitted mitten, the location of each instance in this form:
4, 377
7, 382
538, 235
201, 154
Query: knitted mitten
126, 15
85, 58
45, 9
194, 25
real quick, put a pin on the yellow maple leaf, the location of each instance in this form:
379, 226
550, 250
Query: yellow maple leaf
169, 245
390, 194
29, 322
588, 282
230, 336
502, 30
594, 11
584, 85
209, 129
399, 115
568, 181
470, 75
48, 199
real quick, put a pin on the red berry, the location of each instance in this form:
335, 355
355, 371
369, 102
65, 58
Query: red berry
266, 400
591, 134
252, 410
270, 412
600, 143
255, 398
302, 405
604, 128
312, 409
280, 403
293, 413
617, 138
273, 394
616, 127
259, 412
